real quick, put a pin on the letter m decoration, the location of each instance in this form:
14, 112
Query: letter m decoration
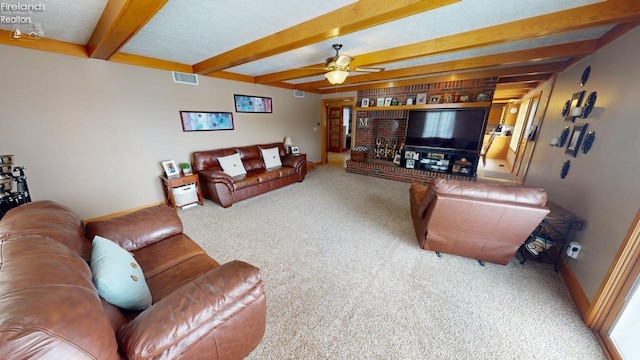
363, 123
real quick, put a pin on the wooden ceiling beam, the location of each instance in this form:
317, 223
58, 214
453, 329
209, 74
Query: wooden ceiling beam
351, 18
44, 44
436, 78
514, 57
120, 21
584, 17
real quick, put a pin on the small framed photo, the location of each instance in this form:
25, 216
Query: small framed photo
295, 149
409, 101
387, 101
421, 99
576, 139
434, 99
411, 163
576, 101
449, 97
380, 102
365, 102
170, 168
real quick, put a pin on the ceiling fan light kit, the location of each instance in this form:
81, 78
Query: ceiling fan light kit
338, 67
336, 77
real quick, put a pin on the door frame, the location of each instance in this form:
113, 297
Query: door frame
344, 101
615, 287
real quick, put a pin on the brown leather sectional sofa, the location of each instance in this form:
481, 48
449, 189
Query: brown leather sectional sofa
226, 190
486, 222
50, 309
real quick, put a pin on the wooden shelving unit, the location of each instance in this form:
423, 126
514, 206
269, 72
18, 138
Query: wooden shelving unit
476, 104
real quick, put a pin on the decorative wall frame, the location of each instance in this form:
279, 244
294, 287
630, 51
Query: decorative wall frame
564, 136
206, 120
434, 99
252, 104
575, 140
565, 169
588, 141
589, 104
421, 99
365, 102
576, 100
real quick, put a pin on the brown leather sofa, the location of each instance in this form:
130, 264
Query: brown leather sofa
50, 309
226, 190
486, 222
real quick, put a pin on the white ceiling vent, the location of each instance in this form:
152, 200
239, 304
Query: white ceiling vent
184, 78
298, 93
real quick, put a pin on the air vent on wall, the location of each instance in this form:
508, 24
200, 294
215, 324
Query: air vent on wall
184, 78
298, 93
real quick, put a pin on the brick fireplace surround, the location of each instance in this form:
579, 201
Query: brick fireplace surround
391, 124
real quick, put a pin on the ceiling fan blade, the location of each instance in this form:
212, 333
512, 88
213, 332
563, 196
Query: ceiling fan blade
369, 69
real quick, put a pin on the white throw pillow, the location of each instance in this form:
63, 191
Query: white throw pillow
232, 165
271, 157
117, 276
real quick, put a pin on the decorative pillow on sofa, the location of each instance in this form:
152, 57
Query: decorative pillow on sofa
271, 157
117, 276
232, 165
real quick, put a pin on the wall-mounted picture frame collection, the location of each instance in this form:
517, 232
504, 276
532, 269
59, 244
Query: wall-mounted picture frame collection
577, 139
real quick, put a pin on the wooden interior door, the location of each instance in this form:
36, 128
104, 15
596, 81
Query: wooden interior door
334, 133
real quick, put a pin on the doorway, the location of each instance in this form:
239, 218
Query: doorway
337, 125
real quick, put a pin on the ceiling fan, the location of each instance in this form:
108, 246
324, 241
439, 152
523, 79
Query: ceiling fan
338, 67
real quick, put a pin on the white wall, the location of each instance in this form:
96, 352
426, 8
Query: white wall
602, 185
93, 133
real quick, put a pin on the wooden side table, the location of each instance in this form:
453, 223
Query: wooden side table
170, 183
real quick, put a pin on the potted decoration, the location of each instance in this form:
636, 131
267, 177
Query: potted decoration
186, 168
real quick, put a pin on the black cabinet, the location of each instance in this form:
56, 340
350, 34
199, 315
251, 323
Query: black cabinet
456, 162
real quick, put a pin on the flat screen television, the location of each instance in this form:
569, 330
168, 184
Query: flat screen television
457, 129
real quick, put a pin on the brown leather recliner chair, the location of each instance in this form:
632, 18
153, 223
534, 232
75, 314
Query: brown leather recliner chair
486, 222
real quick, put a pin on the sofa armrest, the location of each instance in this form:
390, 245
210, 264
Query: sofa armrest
294, 161
222, 313
217, 176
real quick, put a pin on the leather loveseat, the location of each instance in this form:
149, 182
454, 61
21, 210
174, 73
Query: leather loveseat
50, 309
225, 189
486, 222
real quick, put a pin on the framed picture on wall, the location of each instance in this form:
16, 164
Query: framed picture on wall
365, 102
421, 99
576, 139
206, 120
576, 100
252, 104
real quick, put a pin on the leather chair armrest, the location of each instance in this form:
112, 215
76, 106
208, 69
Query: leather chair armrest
293, 161
200, 316
217, 176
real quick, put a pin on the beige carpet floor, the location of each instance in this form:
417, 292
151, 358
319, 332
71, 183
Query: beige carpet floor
345, 279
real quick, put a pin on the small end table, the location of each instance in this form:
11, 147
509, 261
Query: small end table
169, 183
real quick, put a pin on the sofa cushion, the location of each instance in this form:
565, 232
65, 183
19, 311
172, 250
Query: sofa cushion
117, 276
232, 165
271, 157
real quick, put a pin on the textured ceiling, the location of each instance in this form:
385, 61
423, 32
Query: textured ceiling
205, 36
